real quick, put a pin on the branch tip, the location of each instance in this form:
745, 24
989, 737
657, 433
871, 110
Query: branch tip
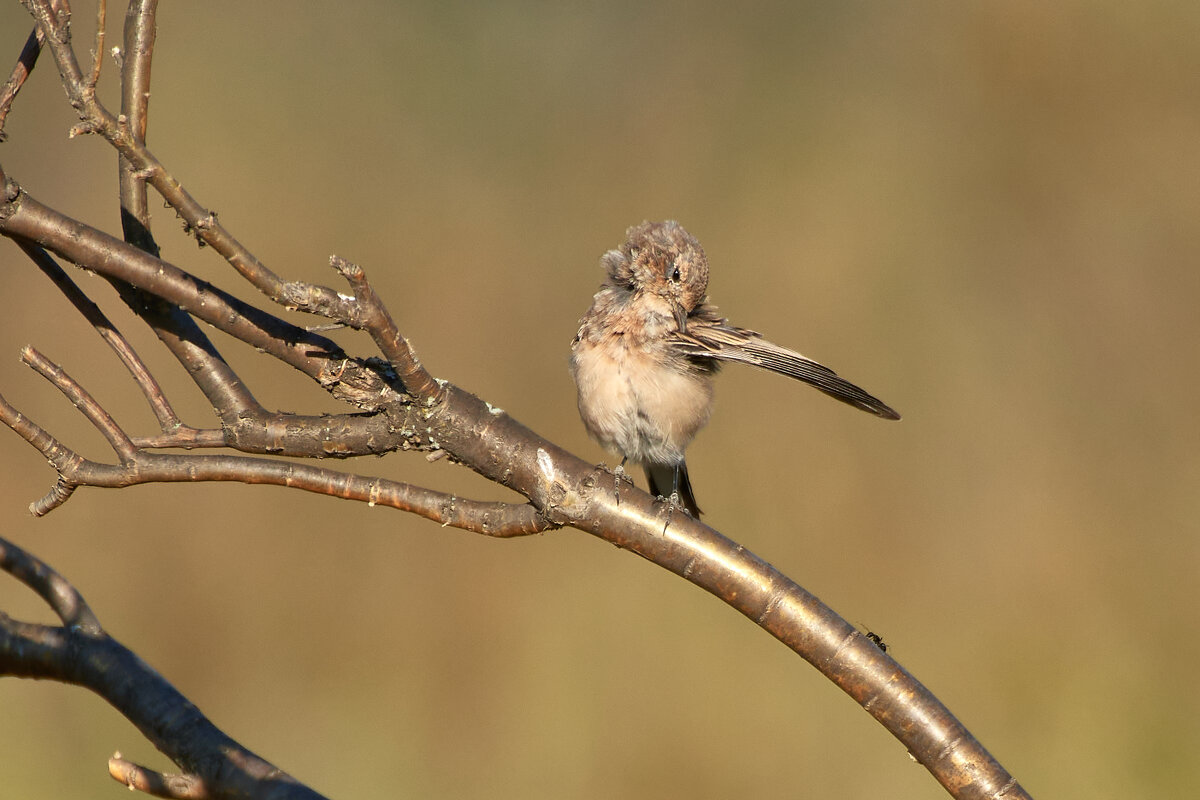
154, 783
59, 494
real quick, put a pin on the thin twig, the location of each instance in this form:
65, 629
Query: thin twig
200, 221
140, 33
82, 400
98, 55
297, 295
374, 316
26, 62
20, 73
168, 420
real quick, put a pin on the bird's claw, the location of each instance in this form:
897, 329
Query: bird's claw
619, 475
673, 504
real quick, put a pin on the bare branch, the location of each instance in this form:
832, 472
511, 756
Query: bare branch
58, 593
24, 66
167, 418
140, 33
178, 331
565, 490
314, 355
185, 437
174, 328
81, 653
137, 467
155, 784
83, 401
374, 316
200, 221
137, 159
98, 53
58, 494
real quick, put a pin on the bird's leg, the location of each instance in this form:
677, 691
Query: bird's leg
619, 474
674, 498
673, 502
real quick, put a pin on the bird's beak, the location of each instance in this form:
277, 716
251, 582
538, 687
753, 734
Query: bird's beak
681, 316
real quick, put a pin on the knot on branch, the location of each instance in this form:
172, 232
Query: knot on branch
10, 194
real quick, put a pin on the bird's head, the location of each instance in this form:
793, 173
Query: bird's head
661, 260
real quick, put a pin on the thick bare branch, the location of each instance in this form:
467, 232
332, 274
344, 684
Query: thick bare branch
565, 490
140, 33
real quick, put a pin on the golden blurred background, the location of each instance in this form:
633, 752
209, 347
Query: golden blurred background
987, 214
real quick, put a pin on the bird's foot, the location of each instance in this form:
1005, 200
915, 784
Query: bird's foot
673, 504
619, 476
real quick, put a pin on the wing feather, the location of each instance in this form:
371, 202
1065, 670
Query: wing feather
708, 336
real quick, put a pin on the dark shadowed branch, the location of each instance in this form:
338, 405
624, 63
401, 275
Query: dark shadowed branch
394, 404
81, 653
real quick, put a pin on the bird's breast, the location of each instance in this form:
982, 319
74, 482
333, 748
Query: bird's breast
640, 398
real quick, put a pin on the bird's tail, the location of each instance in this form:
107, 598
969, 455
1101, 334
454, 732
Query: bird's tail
664, 479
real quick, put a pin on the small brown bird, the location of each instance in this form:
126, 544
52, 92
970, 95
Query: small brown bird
648, 348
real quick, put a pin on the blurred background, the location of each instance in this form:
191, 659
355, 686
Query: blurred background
988, 215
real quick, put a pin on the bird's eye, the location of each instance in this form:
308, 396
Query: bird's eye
675, 275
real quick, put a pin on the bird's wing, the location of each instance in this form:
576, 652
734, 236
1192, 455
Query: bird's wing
710, 336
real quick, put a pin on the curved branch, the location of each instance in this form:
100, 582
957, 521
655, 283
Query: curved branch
59, 594
81, 653
565, 490
573, 492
